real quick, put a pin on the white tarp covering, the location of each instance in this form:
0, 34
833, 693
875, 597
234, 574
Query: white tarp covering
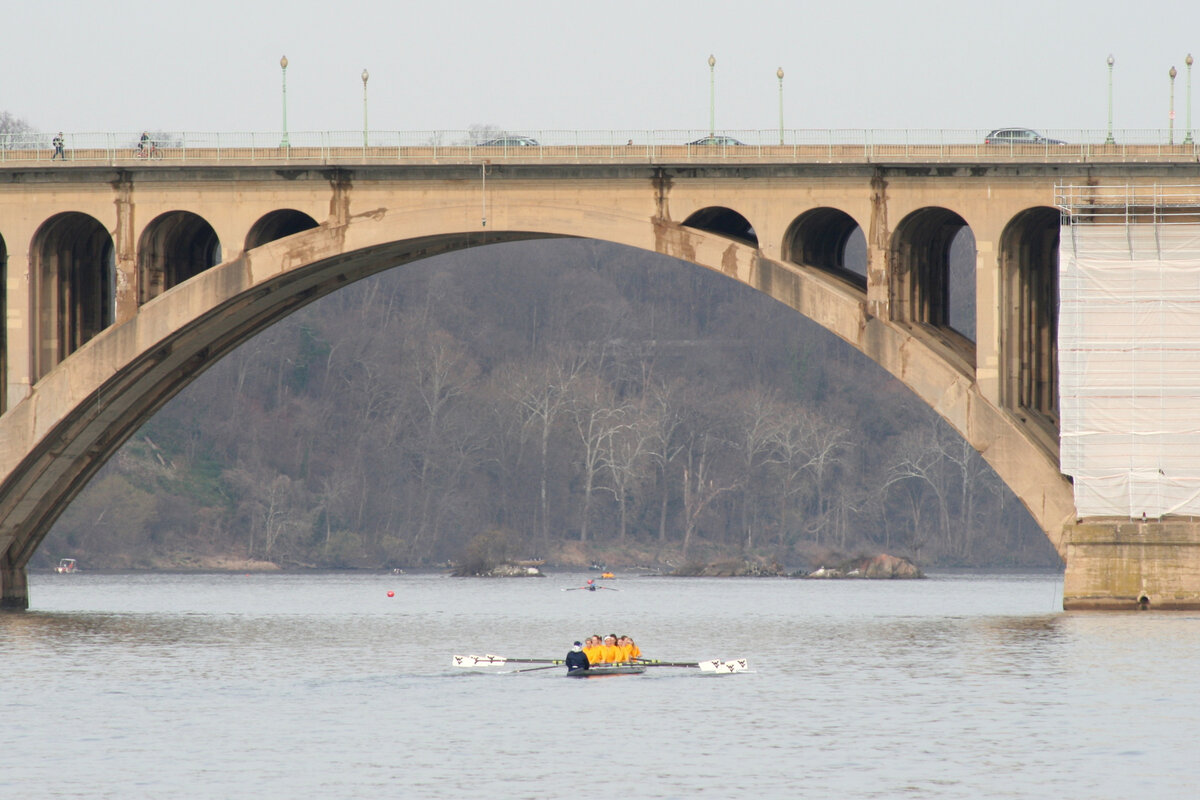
1129, 368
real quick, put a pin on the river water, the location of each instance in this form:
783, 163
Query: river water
321, 686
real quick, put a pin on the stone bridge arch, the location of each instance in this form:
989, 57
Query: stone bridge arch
79, 413
175, 246
72, 275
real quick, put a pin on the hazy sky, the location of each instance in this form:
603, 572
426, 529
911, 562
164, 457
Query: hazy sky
121, 65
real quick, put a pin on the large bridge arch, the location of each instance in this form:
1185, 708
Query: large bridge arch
83, 410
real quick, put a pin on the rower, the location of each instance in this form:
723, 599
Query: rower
592, 649
609, 652
576, 660
629, 650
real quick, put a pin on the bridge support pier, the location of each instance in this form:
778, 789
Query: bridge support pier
1115, 564
14, 585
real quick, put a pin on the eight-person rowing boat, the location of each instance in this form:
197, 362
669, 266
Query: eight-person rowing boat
579, 665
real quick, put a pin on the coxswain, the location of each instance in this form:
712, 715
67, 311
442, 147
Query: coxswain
576, 660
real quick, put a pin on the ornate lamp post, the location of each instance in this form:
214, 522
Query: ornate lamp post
779, 74
283, 66
1171, 115
1109, 140
365, 75
712, 95
1188, 61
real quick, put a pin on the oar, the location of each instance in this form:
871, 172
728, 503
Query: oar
499, 661
590, 588
535, 669
712, 665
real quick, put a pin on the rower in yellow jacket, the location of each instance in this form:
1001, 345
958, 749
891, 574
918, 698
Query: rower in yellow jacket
610, 653
629, 650
591, 648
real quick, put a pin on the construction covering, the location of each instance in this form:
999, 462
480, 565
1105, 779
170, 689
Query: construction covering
1129, 356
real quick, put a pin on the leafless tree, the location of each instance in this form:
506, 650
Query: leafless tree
625, 453
594, 410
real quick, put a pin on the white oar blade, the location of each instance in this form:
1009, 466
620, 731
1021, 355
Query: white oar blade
719, 666
479, 661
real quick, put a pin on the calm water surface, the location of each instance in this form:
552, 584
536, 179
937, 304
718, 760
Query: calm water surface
321, 686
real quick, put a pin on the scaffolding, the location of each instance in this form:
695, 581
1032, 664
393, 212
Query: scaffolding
1129, 348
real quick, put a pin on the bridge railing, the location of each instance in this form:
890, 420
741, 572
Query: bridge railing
635, 146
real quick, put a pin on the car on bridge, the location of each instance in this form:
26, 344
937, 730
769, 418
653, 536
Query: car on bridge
716, 141
1012, 136
510, 141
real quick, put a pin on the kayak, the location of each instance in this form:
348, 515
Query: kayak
600, 670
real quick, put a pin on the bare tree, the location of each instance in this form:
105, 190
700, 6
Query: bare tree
701, 485
625, 453
542, 396
663, 421
757, 421
918, 461
595, 413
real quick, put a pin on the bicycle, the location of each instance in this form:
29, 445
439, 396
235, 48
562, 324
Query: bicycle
148, 150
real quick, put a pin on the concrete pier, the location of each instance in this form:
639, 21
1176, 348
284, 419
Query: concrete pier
14, 585
1115, 564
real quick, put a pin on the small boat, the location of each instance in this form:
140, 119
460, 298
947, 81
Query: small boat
66, 565
600, 670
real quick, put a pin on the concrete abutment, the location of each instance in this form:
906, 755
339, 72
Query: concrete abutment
1118, 564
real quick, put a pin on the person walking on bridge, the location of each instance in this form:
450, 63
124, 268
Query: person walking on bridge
58, 142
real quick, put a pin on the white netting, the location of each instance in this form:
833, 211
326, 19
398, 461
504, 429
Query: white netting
1129, 367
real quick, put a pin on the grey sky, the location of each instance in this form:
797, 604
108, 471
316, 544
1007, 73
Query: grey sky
214, 66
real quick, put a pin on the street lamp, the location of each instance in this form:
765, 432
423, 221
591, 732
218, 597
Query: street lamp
779, 74
1109, 140
365, 75
1171, 115
283, 66
1188, 61
712, 95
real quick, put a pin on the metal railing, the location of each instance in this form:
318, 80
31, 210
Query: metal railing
1125, 204
635, 146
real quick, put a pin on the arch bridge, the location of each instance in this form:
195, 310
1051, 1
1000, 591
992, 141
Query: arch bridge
123, 282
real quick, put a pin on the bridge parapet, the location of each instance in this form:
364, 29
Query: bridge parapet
797, 146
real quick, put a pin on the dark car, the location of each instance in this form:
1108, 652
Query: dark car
716, 141
1018, 136
510, 141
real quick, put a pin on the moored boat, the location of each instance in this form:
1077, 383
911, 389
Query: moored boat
600, 670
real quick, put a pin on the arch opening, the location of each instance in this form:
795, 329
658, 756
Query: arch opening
3, 328
175, 246
1029, 285
933, 276
723, 222
73, 265
830, 240
277, 225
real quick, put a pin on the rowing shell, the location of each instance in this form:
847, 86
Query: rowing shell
715, 665
601, 670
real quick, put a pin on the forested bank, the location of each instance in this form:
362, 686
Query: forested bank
567, 400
